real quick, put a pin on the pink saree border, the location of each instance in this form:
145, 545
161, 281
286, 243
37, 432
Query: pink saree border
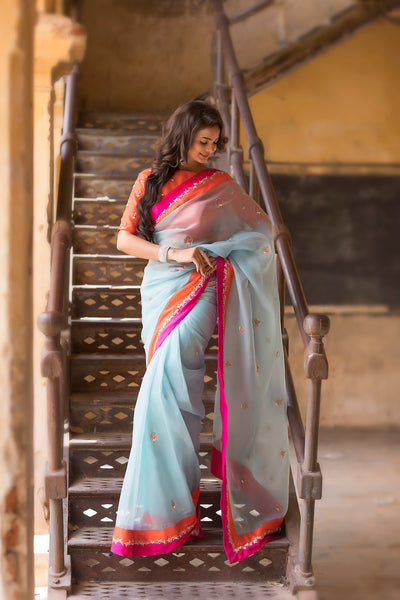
183, 188
218, 458
182, 310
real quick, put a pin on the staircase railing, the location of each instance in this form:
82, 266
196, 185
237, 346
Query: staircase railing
312, 327
54, 362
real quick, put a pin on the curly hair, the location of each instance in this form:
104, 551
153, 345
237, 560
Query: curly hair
177, 136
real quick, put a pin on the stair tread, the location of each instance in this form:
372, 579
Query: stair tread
101, 537
118, 397
111, 486
99, 441
117, 358
117, 132
180, 590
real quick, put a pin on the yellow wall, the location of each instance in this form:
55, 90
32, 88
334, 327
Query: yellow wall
342, 106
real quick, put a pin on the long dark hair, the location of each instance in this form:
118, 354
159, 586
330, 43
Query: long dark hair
176, 138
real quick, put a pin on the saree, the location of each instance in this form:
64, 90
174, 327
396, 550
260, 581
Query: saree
159, 503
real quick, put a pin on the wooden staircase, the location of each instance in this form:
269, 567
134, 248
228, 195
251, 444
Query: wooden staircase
106, 366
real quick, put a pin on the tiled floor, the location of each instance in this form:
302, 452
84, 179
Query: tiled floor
357, 534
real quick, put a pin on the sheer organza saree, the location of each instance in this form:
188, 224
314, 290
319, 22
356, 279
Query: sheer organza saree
159, 504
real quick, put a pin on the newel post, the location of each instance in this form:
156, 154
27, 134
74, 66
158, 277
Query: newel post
309, 479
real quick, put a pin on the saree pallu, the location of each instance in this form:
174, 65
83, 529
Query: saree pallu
159, 504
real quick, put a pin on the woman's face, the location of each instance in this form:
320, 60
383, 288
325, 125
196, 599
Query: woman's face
204, 144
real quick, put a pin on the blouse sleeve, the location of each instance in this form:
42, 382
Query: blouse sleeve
130, 217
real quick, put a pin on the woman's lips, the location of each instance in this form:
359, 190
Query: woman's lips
204, 155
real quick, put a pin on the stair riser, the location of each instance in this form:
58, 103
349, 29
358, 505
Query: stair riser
97, 186
94, 376
95, 241
107, 506
120, 304
112, 463
139, 123
116, 143
117, 418
265, 565
112, 165
104, 271
112, 338
98, 212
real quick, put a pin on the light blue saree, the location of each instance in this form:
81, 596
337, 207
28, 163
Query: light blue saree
159, 504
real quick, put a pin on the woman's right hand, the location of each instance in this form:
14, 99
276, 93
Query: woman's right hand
202, 261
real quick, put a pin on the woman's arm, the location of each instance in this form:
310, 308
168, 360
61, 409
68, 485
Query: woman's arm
135, 246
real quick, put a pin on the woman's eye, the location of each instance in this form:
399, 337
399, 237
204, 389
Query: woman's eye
203, 143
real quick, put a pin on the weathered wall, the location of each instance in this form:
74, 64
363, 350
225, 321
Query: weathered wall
341, 107
363, 352
16, 411
155, 55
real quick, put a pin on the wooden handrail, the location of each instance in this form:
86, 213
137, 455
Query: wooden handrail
52, 323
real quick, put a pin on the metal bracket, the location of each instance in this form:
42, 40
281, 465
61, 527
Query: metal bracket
309, 483
55, 482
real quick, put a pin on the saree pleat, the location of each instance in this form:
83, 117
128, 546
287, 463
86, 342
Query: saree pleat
158, 509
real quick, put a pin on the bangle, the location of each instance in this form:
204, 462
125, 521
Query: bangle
162, 253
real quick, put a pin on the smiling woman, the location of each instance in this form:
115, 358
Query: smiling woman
211, 262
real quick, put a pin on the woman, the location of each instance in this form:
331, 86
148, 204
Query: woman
211, 261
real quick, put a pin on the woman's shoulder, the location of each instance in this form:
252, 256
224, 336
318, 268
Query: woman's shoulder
143, 175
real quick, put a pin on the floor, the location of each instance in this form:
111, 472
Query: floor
357, 535
357, 531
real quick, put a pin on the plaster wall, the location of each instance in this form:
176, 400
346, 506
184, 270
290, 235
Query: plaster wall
16, 406
341, 107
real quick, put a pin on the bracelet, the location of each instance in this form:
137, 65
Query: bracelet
162, 253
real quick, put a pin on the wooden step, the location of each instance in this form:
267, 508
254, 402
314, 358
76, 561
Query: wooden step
106, 372
200, 560
114, 336
104, 455
105, 302
92, 211
107, 336
111, 164
92, 239
113, 413
93, 186
180, 590
93, 502
117, 141
138, 123
108, 270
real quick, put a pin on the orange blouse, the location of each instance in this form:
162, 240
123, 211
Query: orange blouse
130, 217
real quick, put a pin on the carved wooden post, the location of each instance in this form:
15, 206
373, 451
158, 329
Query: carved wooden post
309, 481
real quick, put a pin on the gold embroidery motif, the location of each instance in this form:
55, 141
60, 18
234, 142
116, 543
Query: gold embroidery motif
257, 368
278, 508
241, 328
256, 322
243, 481
244, 405
219, 202
266, 249
283, 453
153, 436
173, 504
278, 402
188, 240
227, 363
